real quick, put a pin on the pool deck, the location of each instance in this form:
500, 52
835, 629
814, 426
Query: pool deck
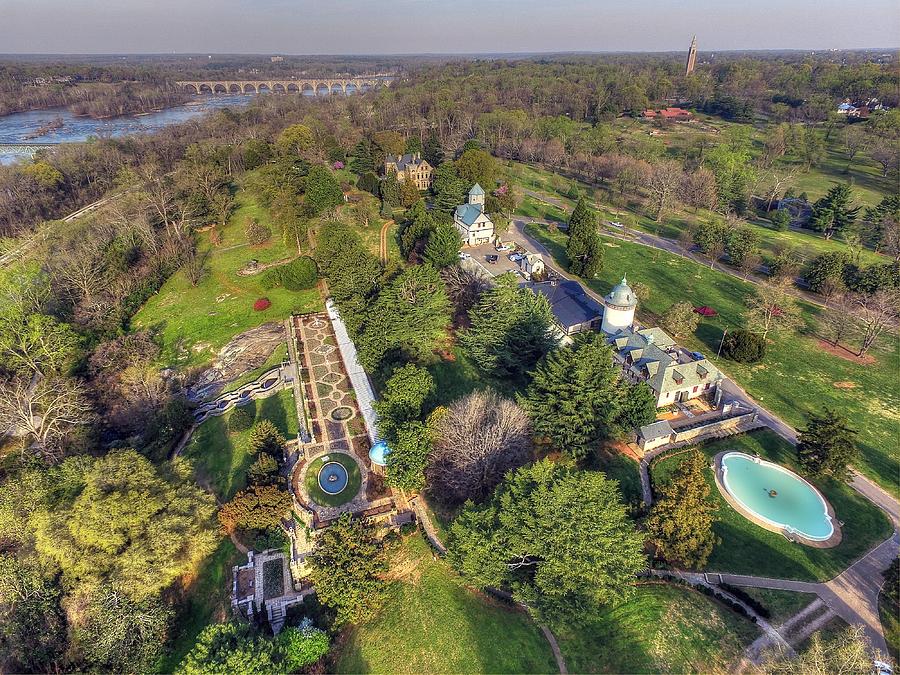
831, 542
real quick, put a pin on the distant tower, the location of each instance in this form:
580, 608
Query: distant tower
619, 310
692, 57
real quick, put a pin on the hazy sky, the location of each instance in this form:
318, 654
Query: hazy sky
441, 26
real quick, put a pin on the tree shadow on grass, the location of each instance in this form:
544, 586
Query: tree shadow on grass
272, 409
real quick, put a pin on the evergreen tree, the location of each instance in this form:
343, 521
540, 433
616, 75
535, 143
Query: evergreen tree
362, 161
231, 647
346, 568
680, 525
369, 182
827, 445
511, 329
265, 437
443, 246
833, 213
559, 539
432, 151
449, 189
418, 225
408, 456
584, 248
409, 194
411, 316
402, 399
390, 190
636, 407
323, 192
413, 145
572, 398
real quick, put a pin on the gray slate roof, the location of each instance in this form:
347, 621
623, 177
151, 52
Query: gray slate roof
570, 304
656, 430
402, 161
649, 358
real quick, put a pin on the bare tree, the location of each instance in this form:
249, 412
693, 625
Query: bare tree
698, 189
873, 313
856, 140
43, 411
663, 184
481, 437
835, 324
771, 308
463, 287
780, 181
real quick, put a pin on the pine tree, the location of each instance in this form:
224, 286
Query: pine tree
573, 396
362, 160
449, 189
584, 248
390, 190
833, 213
511, 329
636, 408
827, 445
432, 152
680, 525
443, 246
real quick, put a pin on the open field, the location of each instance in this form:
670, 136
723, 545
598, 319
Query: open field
194, 322
746, 548
221, 458
661, 628
796, 377
432, 623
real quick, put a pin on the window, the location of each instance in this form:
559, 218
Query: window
695, 390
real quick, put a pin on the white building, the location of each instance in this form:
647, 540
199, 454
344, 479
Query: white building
473, 224
620, 304
533, 264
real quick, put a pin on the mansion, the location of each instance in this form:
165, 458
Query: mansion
410, 168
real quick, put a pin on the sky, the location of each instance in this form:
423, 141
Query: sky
440, 26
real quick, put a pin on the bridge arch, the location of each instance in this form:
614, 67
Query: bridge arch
205, 88
351, 88
219, 88
293, 88
307, 89
249, 88
337, 88
278, 88
234, 88
190, 89
322, 89
264, 88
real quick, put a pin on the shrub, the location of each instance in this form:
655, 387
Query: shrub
299, 274
271, 278
257, 233
781, 219
744, 346
240, 420
262, 469
262, 304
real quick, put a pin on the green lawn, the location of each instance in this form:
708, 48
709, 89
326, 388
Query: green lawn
889, 609
432, 623
661, 628
746, 548
318, 495
221, 458
456, 377
623, 469
194, 322
782, 605
206, 600
796, 377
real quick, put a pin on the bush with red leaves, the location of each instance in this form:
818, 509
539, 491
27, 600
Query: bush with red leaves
261, 304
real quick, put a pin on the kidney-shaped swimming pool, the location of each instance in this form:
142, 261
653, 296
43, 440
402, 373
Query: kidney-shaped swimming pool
776, 496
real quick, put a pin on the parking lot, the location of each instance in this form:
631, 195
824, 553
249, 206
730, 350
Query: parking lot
480, 255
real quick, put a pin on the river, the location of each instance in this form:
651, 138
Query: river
17, 127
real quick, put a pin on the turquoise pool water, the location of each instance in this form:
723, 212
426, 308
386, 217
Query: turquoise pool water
777, 496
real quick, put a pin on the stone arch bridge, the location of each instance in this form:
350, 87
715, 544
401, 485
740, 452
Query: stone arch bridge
312, 86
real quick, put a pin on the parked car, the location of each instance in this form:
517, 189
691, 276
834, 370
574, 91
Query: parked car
503, 248
515, 257
492, 258
464, 256
698, 356
614, 223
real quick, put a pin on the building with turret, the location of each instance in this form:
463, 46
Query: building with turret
473, 224
619, 306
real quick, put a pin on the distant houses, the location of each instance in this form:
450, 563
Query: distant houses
670, 114
859, 109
